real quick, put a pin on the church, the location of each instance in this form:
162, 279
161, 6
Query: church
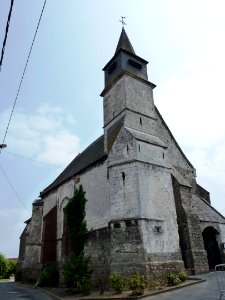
145, 210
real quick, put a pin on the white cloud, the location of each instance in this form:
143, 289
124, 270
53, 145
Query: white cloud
43, 135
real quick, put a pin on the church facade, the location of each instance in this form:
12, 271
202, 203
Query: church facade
145, 210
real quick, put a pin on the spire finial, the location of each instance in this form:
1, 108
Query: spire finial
122, 21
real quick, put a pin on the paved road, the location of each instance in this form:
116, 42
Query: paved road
15, 291
207, 290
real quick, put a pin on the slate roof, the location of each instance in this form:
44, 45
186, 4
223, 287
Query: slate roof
124, 43
180, 178
206, 212
151, 139
113, 131
88, 157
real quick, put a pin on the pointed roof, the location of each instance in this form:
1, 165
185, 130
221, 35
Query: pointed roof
124, 43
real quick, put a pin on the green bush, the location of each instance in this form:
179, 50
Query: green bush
182, 276
7, 267
137, 284
48, 277
3, 265
83, 285
74, 269
118, 282
173, 279
10, 268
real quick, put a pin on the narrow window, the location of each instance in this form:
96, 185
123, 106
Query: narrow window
128, 223
139, 147
117, 225
163, 155
157, 230
140, 120
123, 176
136, 222
127, 149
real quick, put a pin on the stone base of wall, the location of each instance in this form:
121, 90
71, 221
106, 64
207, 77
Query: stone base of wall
30, 275
119, 249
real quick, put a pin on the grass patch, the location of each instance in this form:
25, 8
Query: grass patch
4, 280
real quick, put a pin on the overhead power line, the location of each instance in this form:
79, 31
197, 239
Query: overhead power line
12, 187
6, 33
24, 71
31, 159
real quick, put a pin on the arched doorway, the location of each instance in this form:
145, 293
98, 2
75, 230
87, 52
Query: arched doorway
211, 246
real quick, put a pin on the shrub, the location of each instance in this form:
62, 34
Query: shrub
48, 277
83, 285
137, 284
10, 268
3, 265
7, 267
173, 279
118, 282
182, 276
75, 269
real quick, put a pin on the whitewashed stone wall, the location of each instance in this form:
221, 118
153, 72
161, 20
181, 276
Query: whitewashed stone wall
152, 154
175, 156
96, 186
124, 148
222, 233
114, 101
157, 203
32, 256
124, 192
49, 202
128, 93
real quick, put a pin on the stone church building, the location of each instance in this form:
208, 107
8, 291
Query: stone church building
145, 210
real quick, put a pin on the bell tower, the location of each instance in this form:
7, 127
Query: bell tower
128, 95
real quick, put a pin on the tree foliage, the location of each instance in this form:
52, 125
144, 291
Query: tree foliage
7, 267
75, 270
75, 219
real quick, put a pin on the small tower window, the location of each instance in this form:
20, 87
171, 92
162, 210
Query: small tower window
117, 225
127, 149
163, 155
123, 176
140, 120
157, 229
139, 147
135, 64
112, 67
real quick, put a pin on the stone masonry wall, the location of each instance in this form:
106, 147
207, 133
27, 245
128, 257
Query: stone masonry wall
31, 264
157, 205
191, 242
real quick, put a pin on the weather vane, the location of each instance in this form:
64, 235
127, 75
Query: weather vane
122, 21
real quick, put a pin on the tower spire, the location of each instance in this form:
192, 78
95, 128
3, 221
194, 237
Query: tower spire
124, 42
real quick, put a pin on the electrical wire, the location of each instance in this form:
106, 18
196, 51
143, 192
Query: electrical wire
31, 159
12, 187
24, 71
6, 33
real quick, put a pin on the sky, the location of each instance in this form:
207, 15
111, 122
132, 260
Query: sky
59, 111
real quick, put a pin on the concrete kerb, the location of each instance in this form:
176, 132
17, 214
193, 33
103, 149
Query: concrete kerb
54, 296
104, 297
